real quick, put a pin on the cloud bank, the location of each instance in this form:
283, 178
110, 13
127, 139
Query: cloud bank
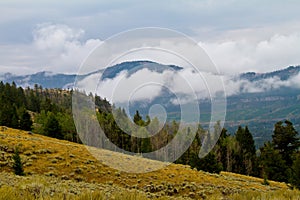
238, 55
61, 49
146, 85
55, 47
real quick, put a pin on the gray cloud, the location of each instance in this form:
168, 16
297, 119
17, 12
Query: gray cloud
276, 52
104, 18
60, 48
239, 36
55, 48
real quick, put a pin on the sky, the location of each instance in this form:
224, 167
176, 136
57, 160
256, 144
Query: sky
237, 35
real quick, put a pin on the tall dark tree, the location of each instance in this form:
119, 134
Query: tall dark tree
15, 118
246, 150
221, 148
8, 114
21, 98
286, 140
295, 178
245, 138
47, 105
33, 102
52, 127
272, 164
210, 163
25, 120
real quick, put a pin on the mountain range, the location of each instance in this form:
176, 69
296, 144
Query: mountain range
259, 99
48, 79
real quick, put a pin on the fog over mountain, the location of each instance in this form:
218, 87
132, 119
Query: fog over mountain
133, 74
254, 99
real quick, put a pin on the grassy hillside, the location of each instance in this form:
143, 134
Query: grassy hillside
64, 170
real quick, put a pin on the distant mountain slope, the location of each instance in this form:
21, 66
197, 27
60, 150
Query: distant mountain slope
45, 79
283, 74
52, 80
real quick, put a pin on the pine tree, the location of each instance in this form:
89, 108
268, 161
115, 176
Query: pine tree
272, 164
285, 140
222, 147
14, 120
137, 119
25, 120
33, 102
210, 163
17, 165
52, 127
295, 178
246, 151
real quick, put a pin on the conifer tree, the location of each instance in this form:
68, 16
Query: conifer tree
18, 165
272, 164
286, 140
25, 120
52, 127
210, 163
295, 178
137, 119
246, 151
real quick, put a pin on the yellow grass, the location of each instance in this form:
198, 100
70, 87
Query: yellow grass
66, 161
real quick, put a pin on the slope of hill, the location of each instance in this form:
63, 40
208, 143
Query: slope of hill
56, 168
283, 74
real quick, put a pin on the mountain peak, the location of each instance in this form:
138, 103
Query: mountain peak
134, 66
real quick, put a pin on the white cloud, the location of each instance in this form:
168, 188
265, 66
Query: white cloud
60, 48
241, 55
142, 85
55, 48
54, 37
236, 86
145, 85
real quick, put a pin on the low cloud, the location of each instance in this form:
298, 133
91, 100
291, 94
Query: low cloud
146, 85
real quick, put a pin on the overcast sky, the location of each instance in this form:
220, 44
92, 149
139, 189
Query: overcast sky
238, 35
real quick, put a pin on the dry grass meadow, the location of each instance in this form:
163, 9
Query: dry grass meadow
57, 169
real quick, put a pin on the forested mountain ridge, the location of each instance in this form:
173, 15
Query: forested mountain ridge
283, 74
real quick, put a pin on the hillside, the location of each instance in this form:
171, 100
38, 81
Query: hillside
55, 167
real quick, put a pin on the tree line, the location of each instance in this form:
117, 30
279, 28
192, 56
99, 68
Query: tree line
277, 160
48, 112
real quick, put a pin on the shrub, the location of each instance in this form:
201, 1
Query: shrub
18, 165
